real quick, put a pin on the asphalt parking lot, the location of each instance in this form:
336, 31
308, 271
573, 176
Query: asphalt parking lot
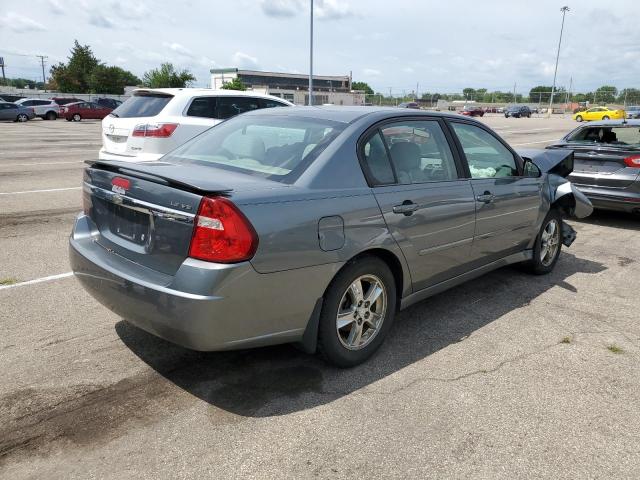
508, 376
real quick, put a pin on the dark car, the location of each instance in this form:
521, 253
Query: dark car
409, 105
314, 225
108, 102
84, 110
472, 111
15, 113
607, 163
517, 111
10, 98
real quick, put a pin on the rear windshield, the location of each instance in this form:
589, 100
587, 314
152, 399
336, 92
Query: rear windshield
142, 106
273, 147
623, 136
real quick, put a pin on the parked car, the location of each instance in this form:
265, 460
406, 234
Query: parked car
633, 112
66, 100
534, 109
108, 102
599, 113
153, 122
315, 225
43, 108
16, 113
409, 105
517, 111
10, 98
84, 110
607, 163
472, 111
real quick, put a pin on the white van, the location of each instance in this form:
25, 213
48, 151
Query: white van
153, 122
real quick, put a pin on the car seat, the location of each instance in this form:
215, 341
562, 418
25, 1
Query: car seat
406, 158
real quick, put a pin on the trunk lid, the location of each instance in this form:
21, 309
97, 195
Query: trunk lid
145, 212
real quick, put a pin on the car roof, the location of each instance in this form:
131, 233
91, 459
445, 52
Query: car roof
613, 123
33, 98
206, 92
349, 114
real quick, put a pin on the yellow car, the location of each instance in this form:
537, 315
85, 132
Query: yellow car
599, 113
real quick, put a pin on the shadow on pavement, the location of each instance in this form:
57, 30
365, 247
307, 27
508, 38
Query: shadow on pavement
280, 380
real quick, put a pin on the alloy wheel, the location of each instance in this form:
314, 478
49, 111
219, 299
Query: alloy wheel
22, 117
361, 312
550, 239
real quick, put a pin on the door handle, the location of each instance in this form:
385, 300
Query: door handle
407, 208
486, 197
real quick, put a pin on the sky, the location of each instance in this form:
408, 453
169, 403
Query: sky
433, 45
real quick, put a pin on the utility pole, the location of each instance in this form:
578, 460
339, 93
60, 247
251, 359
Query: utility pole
564, 11
515, 100
311, 55
44, 78
4, 79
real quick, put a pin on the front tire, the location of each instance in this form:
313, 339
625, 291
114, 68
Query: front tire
548, 246
357, 313
76, 117
50, 116
22, 118
606, 117
579, 118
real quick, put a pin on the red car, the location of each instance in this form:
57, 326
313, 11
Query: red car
472, 111
79, 110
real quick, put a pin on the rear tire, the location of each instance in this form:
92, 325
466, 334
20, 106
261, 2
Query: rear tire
548, 246
50, 116
22, 118
579, 118
606, 117
76, 117
358, 311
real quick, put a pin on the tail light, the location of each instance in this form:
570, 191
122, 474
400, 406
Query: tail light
633, 161
222, 233
157, 130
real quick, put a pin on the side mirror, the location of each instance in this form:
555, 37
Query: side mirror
531, 169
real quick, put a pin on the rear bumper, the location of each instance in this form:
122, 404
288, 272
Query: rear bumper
203, 306
141, 157
627, 200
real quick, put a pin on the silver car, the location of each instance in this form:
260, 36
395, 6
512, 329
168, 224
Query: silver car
43, 108
315, 225
15, 113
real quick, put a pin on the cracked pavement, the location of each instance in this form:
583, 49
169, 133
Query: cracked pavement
507, 376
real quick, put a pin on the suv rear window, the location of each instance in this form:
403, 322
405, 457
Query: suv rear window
146, 105
617, 136
275, 147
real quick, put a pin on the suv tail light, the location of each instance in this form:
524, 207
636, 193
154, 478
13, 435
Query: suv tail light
157, 130
633, 161
222, 233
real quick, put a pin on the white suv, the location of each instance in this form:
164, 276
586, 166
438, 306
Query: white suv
153, 122
43, 108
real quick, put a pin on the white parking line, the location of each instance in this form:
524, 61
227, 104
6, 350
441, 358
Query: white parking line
41, 191
35, 163
531, 143
47, 152
37, 280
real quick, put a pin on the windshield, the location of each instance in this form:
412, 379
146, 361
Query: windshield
622, 136
274, 147
142, 105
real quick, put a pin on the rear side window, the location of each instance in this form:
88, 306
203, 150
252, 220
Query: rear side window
231, 106
203, 107
268, 103
608, 135
142, 106
376, 161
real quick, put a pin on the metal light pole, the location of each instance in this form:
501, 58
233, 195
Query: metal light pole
311, 57
564, 11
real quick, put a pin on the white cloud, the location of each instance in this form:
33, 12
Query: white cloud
55, 7
408, 70
244, 60
99, 20
371, 72
281, 8
130, 10
333, 9
21, 24
179, 49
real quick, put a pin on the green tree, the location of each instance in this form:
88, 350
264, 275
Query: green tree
112, 80
168, 77
469, 93
540, 94
235, 84
362, 86
75, 75
606, 94
630, 96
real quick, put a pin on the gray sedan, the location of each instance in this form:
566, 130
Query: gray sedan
315, 225
607, 163
15, 113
